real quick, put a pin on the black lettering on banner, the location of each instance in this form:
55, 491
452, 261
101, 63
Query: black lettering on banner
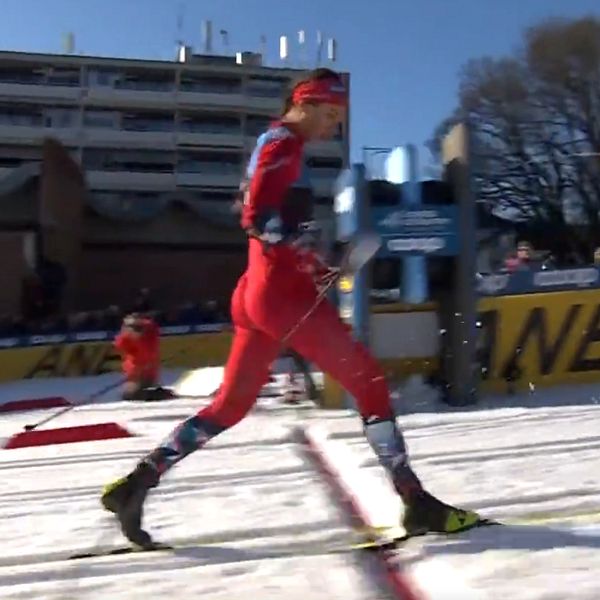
109, 360
536, 326
591, 335
80, 361
47, 365
75, 360
486, 342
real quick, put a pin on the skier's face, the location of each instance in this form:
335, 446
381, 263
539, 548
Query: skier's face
323, 120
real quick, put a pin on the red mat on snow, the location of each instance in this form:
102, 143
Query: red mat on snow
34, 403
67, 435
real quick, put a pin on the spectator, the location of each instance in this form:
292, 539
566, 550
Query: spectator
139, 345
522, 260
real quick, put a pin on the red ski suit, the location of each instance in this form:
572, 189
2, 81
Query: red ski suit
276, 291
141, 352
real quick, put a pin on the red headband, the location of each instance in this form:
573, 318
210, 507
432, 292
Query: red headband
326, 91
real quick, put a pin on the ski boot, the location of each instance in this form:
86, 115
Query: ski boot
125, 498
425, 514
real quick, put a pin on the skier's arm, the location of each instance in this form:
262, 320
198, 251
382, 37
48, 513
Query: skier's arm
275, 171
123, 342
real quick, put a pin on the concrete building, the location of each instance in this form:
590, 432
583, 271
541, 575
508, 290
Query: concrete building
162, 146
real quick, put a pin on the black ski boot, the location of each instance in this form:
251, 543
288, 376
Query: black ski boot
425, 513
125, 498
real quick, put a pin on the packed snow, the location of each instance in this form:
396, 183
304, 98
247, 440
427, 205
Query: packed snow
253, 516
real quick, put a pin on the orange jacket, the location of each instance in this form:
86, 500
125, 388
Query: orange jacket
140, 351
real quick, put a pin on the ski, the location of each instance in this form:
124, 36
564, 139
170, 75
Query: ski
370, 539
393, 537
119, 550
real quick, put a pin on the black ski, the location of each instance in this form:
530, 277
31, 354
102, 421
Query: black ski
390, 538
376, 540
121, 550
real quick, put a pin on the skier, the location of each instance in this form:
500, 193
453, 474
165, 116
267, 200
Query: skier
276, 291
139, 344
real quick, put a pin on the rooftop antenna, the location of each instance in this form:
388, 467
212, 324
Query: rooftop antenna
319, 48
179, 25
283, 49
207, 36
69, 42
301, 44
225, 40
179, 43
332, 50
263, 47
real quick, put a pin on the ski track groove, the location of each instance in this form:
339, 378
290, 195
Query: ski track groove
211, 539
509, 452
131, 454
214, 548
432, 429
186, 483
180, 558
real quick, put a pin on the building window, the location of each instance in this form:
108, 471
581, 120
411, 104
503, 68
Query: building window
148, 122
210, 124
266, 87
101, 78
257, 124
22, 75
101, 119
210, 85
22, 119
61, 117
65, 77
139, 161
145, 83
209, 162
324, 167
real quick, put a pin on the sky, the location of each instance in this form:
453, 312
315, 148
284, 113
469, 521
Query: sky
404, 56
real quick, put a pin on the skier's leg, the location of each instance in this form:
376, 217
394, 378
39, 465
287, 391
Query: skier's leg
324, 339
246, 371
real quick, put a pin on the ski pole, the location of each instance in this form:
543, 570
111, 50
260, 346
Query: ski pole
88, 400
362, 250
92, 397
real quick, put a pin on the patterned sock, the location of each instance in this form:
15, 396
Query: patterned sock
387, 442
187, 437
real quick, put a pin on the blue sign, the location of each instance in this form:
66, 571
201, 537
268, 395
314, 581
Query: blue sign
427, 230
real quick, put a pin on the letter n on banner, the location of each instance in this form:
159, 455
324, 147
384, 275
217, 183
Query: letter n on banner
536, 326
592, 334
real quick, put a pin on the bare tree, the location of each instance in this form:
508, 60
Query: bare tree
536, 123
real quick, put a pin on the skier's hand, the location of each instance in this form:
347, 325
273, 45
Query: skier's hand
327, 277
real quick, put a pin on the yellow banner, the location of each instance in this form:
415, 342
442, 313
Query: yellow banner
540, 339
533, 339
95, 358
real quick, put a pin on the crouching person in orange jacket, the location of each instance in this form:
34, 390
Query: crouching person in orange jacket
138, 342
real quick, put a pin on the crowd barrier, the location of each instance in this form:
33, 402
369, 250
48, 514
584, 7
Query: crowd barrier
92, 353
534, 339
540, 339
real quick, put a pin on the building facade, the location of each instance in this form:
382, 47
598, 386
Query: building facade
162, 146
